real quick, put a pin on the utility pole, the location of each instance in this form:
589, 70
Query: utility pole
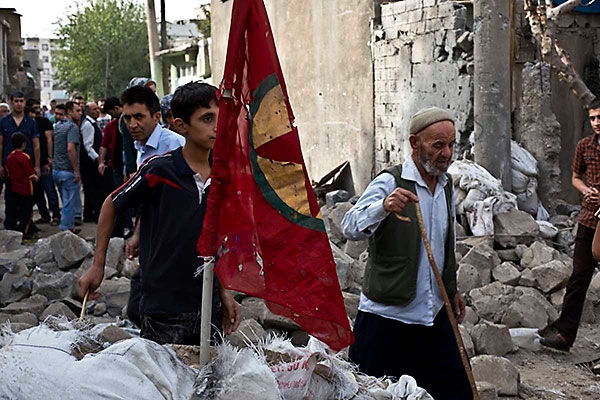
155, 64
163, 45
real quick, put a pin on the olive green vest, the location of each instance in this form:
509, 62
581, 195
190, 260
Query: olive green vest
391, 272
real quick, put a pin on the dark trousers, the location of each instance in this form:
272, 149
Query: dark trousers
95, 189
40, 200
135, 296
584, 265
47, 183
386, 347
18, 212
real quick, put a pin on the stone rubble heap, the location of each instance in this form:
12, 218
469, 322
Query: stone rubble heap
514, 279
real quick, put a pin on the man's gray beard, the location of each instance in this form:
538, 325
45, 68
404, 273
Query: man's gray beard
429, 167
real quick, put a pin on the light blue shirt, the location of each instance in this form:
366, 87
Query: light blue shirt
160, 141
362, 220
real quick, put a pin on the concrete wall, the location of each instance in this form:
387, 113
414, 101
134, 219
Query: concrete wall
324, 51
419, 63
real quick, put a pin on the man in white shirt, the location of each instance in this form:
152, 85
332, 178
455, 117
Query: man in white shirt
402, 327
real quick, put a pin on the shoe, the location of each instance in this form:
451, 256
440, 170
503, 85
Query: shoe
42, 220
556, 342
78, 222
55, 221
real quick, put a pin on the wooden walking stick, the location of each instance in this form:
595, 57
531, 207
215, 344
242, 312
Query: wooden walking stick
440, 282
84, 305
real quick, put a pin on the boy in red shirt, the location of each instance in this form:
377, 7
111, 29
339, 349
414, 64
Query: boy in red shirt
21, 175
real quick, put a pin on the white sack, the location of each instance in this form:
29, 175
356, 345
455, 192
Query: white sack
519, 181
522, 160
468, 175
547, 230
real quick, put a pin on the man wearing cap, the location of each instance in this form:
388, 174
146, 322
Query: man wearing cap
402, 327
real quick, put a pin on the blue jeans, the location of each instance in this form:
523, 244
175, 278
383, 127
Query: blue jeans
69, 193
50, 190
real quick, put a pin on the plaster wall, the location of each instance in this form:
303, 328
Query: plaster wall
325, 54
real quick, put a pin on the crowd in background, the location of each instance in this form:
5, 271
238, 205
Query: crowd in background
60, 151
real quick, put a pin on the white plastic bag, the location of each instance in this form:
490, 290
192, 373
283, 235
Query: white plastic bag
526, 338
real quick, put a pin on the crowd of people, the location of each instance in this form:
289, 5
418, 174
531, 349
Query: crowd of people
73, 146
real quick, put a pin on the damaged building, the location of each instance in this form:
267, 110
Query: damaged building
358, 69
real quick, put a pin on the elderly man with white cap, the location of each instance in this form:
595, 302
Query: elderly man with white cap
402, 327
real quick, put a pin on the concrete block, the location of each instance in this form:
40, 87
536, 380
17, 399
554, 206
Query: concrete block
429, 3
423, 48
498, 371
398, 7
468, 278
551, 276
388, 21
413, 4
415, 16
446, 9
491, 339
430, 12
387, 9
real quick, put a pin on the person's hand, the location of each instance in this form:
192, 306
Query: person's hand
47, 169
35, 178
101, 168
459, 307
592, 197
90, 281
77, 177
232, 312
398, 199
1, 171
132, 246
38, 172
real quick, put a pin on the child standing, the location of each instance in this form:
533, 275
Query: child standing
21, 176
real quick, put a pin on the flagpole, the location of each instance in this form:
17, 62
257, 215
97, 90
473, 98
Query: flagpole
206, 313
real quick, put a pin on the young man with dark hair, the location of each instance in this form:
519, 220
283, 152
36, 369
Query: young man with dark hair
45, 186
60, 113
66, 164
21, 176
18, 121
170, 188
586, 162
50, 113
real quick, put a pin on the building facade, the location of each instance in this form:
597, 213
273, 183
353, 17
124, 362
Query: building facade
49, 87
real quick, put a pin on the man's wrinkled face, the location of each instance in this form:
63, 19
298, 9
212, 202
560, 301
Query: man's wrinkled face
92, 110
595, 119
140, 122
18, 104
434, 147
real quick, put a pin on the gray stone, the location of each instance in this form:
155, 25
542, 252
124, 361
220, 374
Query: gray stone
130, 267
464, 43
299, 338
471, 316
557, 298
54, 287
110, 273
42, 253
9, 259
520, 250
497, 371
467, 341
467, 278
508, 255
487, 391
491, 301
337, 196
249, 331
49, 267
354, 248
351, 303
17, 327
527, 278
99, 309
561, 221
343, 266
27, 318
515, 227
484, 258
551, 276
335, 220
593, 292
529, 310
507, 273
538, 254
588, 314
10, 240
254, 308
115, 254
113, 334
565, 239
57, 310
34, 304
115, 294
69, 249
491, 339
15, 285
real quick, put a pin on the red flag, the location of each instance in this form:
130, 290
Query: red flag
262, 217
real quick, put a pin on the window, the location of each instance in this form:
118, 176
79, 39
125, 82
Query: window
46, 59
47, 83
46, 71
45, 47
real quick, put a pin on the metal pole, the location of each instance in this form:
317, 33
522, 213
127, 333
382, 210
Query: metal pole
206, 315
163, 46
155, 66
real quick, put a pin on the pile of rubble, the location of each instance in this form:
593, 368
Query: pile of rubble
511, 280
